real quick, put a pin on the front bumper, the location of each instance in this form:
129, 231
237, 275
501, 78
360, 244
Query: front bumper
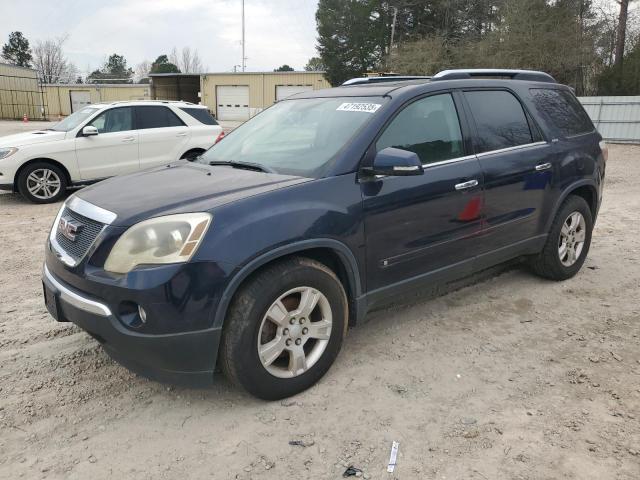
178, 358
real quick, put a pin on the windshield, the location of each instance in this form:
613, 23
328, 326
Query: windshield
296, 137
75, 119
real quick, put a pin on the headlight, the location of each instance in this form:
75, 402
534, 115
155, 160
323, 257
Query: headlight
170, 239
7, 152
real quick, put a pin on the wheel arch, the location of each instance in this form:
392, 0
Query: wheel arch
36, 160
583, 188
196, 149
332, 253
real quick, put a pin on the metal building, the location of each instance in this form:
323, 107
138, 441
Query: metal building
64, 99
20, 93
234, 96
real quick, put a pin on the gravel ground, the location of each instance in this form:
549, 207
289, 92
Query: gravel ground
512, 377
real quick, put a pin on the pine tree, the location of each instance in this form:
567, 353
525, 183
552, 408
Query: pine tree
17, 50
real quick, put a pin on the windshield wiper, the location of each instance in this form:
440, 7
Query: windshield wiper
243, 165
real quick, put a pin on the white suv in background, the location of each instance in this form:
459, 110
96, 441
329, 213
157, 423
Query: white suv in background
103, 140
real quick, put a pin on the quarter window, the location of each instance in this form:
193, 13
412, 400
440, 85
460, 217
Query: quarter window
428, 127
156, 117
114, 120
500, 120
564, 110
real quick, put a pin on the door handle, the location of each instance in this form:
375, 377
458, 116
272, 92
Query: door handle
543, 166
184, 134
128, 139
465, 185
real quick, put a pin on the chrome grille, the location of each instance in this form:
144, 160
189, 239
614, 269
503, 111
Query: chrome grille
77, 248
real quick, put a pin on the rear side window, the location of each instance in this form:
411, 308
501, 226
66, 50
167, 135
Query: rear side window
428, 127
156, 117
563, 109
499, 118
201, 114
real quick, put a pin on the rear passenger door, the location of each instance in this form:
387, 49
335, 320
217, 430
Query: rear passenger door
163, 136
517, 168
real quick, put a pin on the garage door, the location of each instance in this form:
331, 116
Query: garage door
79, 99
284, 91
233, 102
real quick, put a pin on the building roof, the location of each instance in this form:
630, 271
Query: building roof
297, 72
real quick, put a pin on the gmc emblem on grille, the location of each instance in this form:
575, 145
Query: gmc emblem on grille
69, 227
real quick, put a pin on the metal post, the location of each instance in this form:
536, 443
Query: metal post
243, 57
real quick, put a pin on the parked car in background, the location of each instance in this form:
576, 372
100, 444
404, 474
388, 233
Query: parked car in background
101, 141
257, 257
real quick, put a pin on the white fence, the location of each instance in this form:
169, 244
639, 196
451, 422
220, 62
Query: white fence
616, 118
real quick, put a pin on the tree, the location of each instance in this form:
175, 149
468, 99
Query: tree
162, 65
283, 68
114, 70
621, 34
352, 37
17, 51
142, 71
50, 62
315, 64
187, 61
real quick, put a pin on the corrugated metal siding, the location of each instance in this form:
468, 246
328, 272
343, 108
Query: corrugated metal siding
262, 86
616, 118
58, 97
20, 93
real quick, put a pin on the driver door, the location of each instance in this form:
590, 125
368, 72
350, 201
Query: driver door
114, 151
417, 225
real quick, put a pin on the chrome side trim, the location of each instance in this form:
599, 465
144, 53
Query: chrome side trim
90, 210
72, 298
446, 162
510, 149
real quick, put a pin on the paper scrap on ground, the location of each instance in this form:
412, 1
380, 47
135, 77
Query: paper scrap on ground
393, 457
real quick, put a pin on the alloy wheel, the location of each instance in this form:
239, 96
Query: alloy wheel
294, 332
572, 237
43, 183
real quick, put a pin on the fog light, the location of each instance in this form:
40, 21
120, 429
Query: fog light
143, 314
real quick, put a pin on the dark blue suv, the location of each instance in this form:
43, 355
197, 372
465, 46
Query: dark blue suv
258, 256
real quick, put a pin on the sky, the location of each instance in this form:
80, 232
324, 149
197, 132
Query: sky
277, 31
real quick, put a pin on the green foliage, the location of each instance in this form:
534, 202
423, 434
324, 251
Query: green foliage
624, 80
17, 50
114, 70
315, 64
163, 65
283, 68
352, 35
573, 40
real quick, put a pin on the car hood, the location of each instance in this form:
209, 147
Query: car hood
181, 187
31, 138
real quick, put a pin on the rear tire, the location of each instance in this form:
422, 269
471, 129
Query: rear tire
284, 329
568, 242
42, 182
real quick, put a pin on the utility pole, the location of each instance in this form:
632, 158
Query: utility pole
244, 59
393, 28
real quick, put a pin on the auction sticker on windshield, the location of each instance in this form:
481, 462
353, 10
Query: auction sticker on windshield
359, 107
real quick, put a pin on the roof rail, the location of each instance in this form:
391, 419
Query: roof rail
530, 75
386, 78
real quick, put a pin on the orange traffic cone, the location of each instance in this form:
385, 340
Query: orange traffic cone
25, 119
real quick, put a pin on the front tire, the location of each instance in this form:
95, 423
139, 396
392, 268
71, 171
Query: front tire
284, 329
568, 242
42, 182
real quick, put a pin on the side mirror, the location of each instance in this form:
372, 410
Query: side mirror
395, 162
89, 131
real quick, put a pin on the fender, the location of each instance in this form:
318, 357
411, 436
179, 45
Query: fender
344, 253
567, 191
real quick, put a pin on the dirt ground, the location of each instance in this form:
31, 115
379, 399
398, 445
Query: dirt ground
510, 378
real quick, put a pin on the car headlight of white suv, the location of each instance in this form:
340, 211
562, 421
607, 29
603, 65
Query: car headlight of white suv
160, 240
7, 152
